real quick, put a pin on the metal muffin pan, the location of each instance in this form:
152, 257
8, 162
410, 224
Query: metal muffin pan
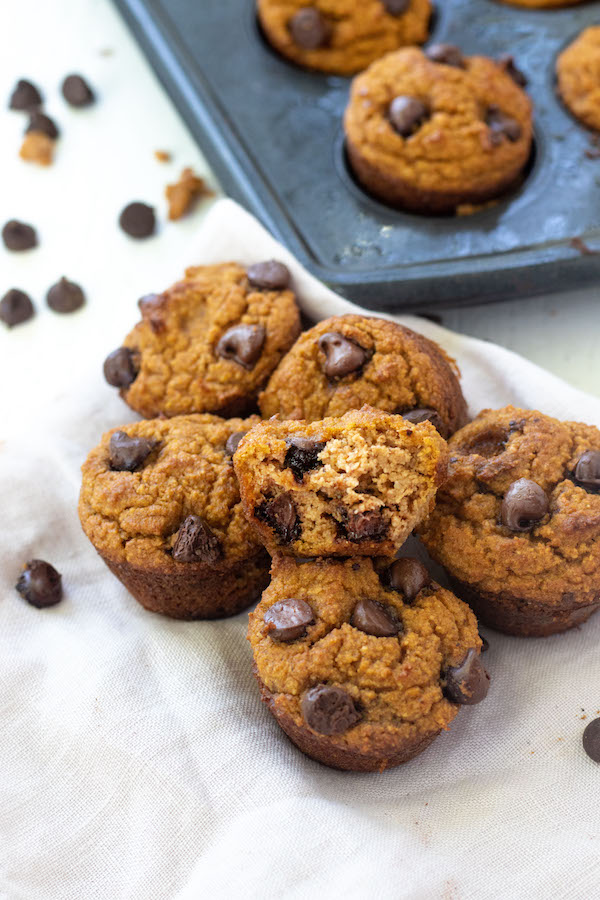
272, 133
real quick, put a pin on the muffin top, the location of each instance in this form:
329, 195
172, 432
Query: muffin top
347, 361
520, 512
447, 125
578, 72
391, 654
162, 494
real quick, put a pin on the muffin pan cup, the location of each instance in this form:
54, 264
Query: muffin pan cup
272, 133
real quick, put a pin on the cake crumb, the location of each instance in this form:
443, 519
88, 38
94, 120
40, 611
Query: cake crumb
37, 147
182, 195
162, 156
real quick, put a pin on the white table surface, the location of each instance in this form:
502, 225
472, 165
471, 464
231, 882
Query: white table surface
105, 159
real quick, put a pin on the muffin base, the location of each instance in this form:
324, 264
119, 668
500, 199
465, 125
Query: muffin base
206, 592
526, 618
321, 748
404, 195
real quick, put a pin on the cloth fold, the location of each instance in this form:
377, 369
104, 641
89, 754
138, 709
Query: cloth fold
136, 758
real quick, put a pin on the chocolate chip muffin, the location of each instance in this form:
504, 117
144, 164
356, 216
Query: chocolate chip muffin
342, 36
160, 503
436, 132
517, 524
209, 343
347, 361
578, 74
358, 484
362, 664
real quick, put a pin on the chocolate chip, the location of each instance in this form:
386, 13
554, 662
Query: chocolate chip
126, 453
302, 455
525, 503
422, 414
447, 54
364, 526
329, 710
15, 307
269, 276
18, 236
77, 91
287, 620
195, 542
310, 29
40, 584
25, 96
65, 296
375, 618
40, 122
342, 355
502, 126
395, 7
407, 114
120, 367
280, 515
485, 644
138, 220
507, 62
591, 740
408, 576
587, 471
233, 441
467, 683
242, 344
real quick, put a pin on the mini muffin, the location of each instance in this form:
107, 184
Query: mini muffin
517, 524
342, 36
434, 131
361, 669
209, 343
578, 73
358, 484
347, 361
160, 503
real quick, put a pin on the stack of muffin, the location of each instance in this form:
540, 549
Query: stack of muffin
337, 452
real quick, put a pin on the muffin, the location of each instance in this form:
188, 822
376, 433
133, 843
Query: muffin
435, 131
209, 343
342, 36
517, 524
361, 666
358, 484
160, 503
578, 74
347, 361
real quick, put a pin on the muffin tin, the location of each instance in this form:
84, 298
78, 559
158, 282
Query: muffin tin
272, 133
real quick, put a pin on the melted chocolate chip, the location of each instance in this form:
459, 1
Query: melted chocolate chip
25, 96
302, 455
587, 471
395, 7
408, 577
280, 515
525, 503
310, 29
507, 62
232, 442
65, 296
269, 276
375, 618
18, 236
40, 122
448, 54
16, 307
287, 620
138, 220
77, 91
343, 356
126, 454
40, 584
329, 710
407, 114
416, 416
195, 542
121, 368
591, 740
502, 126
467, 683
242, 344
364, 526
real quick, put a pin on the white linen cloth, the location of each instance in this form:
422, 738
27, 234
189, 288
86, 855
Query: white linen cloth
136, 759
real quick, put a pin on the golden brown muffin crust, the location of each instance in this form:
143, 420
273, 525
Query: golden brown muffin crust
578, 73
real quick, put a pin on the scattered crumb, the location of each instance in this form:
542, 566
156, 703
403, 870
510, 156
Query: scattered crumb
162, 155
38, 148
107, 51
583, 248
583, 717
182, 195
560, 739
